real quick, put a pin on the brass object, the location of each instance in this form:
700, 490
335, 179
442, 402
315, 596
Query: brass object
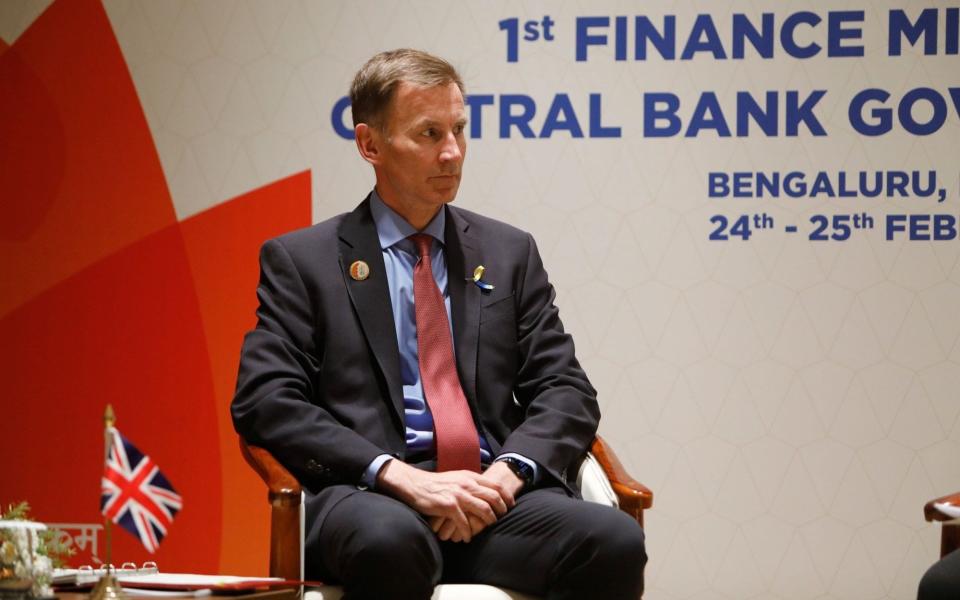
108, 588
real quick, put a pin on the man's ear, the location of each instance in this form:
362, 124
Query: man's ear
368, 142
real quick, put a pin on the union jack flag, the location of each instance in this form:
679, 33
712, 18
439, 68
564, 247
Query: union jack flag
135, 494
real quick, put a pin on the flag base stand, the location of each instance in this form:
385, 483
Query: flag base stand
108, 588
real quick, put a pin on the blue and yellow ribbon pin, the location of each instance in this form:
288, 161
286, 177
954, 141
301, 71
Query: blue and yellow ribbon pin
477, 279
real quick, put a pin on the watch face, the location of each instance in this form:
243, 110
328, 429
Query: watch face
520, 469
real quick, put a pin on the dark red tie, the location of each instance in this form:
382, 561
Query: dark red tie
458, 443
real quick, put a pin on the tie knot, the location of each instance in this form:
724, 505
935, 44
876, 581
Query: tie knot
422, 241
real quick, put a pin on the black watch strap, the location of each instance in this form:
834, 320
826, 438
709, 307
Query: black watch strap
520, 469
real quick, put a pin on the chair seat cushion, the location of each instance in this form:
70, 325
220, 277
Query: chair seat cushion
446, 591
593, 483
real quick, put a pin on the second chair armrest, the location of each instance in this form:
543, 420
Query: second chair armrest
931, 513
632, 495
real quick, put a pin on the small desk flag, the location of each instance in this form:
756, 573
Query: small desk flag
135, 494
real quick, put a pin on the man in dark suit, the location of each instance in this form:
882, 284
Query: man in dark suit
428, 456
942, 580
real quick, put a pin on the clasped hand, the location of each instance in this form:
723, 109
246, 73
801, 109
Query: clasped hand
458, 504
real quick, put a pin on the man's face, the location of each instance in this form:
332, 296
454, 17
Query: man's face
422, 149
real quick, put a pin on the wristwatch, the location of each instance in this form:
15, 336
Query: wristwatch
521, 469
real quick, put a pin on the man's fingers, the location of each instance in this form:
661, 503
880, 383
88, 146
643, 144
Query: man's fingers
445, 530
493, 499
450, 495
476, 525
463, 534
491, 486
479, 508
455, 531
488, 490
473, 486
460, 521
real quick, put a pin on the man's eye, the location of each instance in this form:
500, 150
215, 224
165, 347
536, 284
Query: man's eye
429, 132
458, 129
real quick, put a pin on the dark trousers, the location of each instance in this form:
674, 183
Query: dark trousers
548, 545
942, 580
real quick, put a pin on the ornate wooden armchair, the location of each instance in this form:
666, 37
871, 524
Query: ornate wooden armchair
601, 477
939, 510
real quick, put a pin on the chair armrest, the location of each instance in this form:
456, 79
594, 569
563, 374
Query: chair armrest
284, 495
632, 495
931, 513
278, 480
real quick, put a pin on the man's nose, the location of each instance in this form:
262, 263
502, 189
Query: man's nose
451, 149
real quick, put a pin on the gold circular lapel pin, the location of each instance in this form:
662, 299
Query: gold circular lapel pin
359, 270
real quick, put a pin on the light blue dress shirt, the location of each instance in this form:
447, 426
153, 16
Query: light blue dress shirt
399, 258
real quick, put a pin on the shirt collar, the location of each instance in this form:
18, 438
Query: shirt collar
392, 228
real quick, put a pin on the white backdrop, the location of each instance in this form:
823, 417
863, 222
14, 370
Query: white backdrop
792, 403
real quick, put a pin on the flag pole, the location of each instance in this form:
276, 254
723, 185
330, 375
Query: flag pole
108, 588
109, 418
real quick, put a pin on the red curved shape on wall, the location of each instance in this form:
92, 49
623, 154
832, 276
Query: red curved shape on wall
106, 298
32, 167
223, 245
95, 188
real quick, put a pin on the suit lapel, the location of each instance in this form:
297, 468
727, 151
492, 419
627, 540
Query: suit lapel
371, 296
463, 255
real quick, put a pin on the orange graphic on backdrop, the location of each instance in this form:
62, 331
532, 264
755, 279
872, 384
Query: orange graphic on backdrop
105, 297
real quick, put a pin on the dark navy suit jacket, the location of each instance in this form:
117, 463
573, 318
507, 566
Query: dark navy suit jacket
319, 381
